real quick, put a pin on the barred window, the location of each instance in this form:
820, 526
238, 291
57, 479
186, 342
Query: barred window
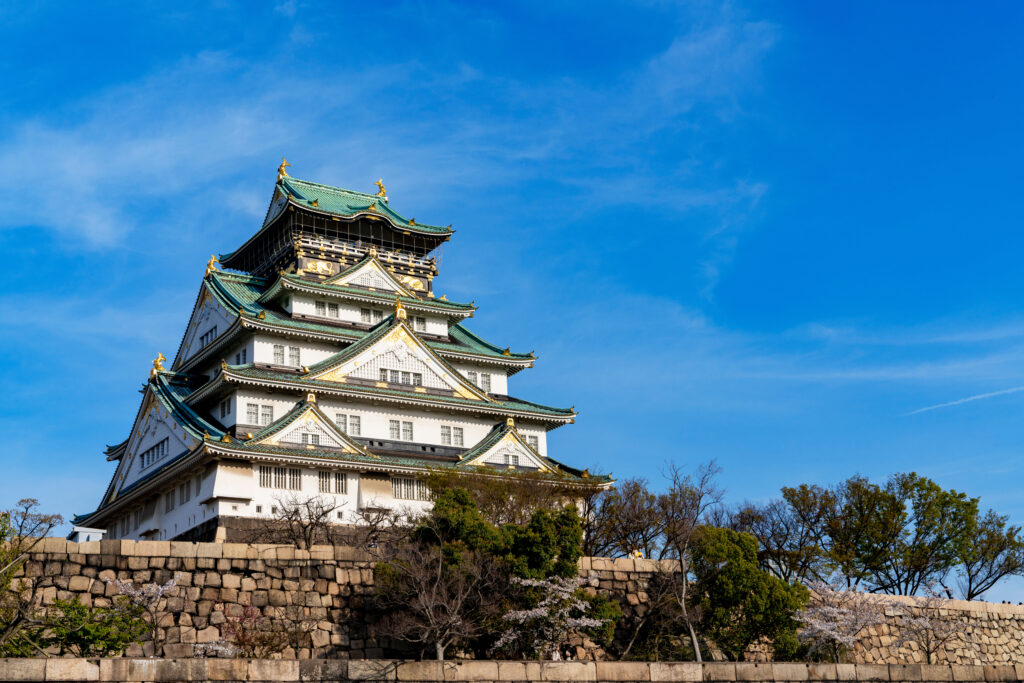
280, 478
252, 413
169, 501
295, 356
407, 488
407, 431
184, 493
325, 482
321, 308
295, 479
354, 425
485, 381
266, 415
333, 482
534, 442
341, 420
225, 407
446, 435
208, 336
383, 375
154, 454
266, 480
278, 354
457, 436
240, 357
420, 324
333, 311
471, 376
340, 482
199, 483
364, 315
395, 429
378, 315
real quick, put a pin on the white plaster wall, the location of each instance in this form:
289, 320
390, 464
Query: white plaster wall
154, 426
311, 354
210, 313
499, 379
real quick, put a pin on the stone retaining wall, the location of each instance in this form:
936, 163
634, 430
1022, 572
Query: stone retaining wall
325, 589
146, 670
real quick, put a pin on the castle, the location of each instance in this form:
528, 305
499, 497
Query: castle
319, 362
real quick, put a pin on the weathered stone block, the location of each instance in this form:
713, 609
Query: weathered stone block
904, 672
213, 550
936, 672
273, 670
323, 670
371, 670
72, 670
719, 671
420, 671
181, 549
753, 671
471, 671
967, 672
827, 672
623, 671
782, 671
872, 672
1000, 673
22, 669
567, 671
676, 671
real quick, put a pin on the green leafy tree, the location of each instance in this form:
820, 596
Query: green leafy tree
994, 550
87, 631
740, 603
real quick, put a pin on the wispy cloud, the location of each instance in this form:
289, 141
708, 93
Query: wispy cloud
969, 399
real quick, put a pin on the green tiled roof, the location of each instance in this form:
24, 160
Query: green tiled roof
341, 202
386, 298
171, 390
239, 291
496, 434
507, 405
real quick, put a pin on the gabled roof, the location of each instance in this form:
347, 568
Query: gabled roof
394, 331
504, 434
370, 265
349, 203
239, 292
306, 411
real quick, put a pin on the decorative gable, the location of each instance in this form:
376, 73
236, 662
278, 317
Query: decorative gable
305, 426
508, 450
209, 320
400, 355
155, 440
370, 275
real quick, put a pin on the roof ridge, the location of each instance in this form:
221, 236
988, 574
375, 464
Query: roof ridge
333, 187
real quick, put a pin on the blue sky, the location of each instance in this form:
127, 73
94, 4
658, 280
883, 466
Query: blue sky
785, 236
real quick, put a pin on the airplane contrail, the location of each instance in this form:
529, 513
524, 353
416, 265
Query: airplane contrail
977, 397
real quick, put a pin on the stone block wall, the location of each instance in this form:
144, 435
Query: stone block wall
266, 671
323, 593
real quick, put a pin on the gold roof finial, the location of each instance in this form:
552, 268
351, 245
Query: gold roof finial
311, 398
507, 351
381, 192
158, 364
372, 251
399, 309
281, 172
211, 265
509, 422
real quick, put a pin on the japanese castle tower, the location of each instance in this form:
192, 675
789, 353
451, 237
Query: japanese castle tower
319, 362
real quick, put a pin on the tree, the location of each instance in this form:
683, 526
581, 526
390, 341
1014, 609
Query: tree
834, 620
21, 529
789, 546
253, 636
740, 603
87, 631
923, 623
436, 597
147, 598
545, 627
513, 497
302, 521
681, 511
993, 552
626, 520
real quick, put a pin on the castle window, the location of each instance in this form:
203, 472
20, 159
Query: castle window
333, 482
321, 308
420, 324
471, 376
333, 311
240, 357
451, 436
532, 440
407, 431
414, 379
295, 480
354, 425
485, 381
294, 356
407, 488
169, 501
225, 407
266, 415
310, 439
278, 354
154, 454
266, 480
341, 420
252, 414
457, 436
208, 336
